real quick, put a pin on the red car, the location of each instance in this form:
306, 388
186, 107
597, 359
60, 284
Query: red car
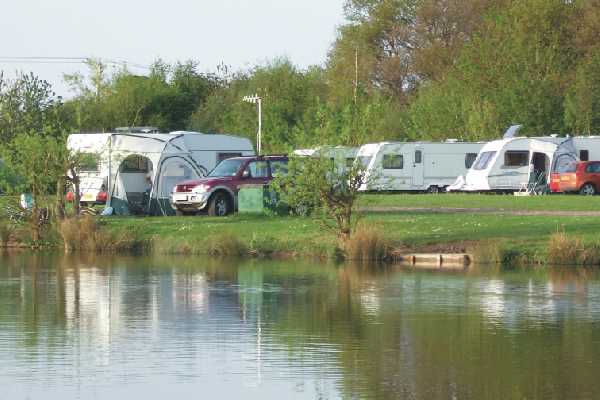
217, 192
582, 177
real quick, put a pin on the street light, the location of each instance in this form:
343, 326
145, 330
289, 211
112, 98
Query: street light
256, 100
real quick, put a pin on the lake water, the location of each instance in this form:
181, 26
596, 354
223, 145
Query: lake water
97, 327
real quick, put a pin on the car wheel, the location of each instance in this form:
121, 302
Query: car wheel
588, 190
219, 205
433, 189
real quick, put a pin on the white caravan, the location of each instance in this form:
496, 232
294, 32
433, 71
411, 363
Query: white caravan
138, 171
524, 164
415, 166
342, 155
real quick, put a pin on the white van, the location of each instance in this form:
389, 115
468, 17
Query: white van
415, 166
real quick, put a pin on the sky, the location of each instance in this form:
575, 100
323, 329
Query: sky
238, 33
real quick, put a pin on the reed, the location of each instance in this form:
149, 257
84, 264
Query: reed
6, 233
226, 244
366, 244
86, 233
564, 249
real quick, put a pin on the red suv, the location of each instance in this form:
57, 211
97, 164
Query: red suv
582, 177
217, 192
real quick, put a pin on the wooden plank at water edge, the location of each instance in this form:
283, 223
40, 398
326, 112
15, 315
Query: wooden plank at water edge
434, 260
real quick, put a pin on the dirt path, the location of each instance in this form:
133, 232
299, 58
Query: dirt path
452, 210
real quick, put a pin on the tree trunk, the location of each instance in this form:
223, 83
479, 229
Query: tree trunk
77, 197
60, 199
34, 218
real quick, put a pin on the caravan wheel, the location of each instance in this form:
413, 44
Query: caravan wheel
433, 189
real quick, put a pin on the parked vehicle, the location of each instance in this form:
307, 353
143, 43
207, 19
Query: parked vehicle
415, 166
342, 156
217, 192
524, 164
582, 177
138, 171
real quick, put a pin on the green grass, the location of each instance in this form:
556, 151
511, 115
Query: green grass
413, 231
487, 201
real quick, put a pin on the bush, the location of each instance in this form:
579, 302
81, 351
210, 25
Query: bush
572, 250
503, 253
366, 244
85, 233
6, 232
226, 244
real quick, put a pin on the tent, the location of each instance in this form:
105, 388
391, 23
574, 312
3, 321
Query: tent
144, 168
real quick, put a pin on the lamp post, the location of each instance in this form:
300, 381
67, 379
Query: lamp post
255, 99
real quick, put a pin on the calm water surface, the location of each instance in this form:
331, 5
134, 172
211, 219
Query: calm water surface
124, 328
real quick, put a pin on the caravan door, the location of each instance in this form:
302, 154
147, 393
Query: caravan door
418, 170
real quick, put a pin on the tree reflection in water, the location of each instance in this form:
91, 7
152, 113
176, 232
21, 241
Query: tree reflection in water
96, 322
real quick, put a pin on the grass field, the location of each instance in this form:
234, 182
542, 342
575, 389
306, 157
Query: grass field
409, 230
412, 231
485, 201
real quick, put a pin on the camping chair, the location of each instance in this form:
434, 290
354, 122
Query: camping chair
537, 184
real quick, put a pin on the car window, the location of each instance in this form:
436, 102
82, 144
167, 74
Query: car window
258, 169
593, 168
279, 168
228, 167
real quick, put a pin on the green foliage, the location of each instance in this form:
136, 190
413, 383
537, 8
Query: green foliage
327, 190
583, 98
165, 98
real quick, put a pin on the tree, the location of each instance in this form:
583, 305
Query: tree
27, 105
582, 103
327, 190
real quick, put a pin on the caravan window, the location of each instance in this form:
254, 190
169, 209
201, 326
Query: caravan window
470, 159
418, 156
516, 158
136, 164
584, 155
484, 160
349, 162
365, 160
393, 161
225, 156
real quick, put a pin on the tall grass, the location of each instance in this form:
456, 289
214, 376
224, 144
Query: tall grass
572, 250
504, 253
366, 244
6, 232
226, 245
86, 233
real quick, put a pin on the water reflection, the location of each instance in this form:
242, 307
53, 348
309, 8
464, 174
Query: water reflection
106, 327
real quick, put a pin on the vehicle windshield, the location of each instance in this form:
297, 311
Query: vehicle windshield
484, 159
228, 167
565, 163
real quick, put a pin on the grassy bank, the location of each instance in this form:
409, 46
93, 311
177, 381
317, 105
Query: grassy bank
527, 237
491, 237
